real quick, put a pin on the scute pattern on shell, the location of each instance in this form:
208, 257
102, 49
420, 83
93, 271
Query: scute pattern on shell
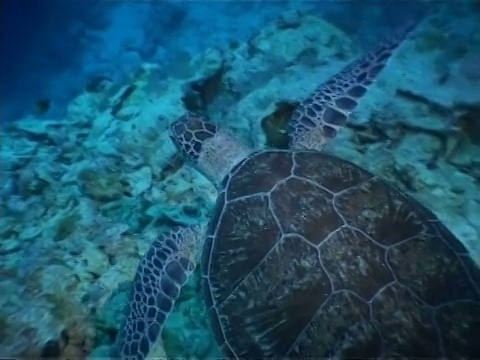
308, 255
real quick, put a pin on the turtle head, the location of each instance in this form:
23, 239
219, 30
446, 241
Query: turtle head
211, 150
189, 133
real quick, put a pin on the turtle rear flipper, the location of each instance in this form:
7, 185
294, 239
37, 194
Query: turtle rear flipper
319, 117
160, 276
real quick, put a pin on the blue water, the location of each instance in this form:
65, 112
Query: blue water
55, 46
89, 176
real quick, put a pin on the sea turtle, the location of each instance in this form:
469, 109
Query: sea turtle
306, 254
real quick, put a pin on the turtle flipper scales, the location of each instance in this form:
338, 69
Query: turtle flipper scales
160, 275
319, 117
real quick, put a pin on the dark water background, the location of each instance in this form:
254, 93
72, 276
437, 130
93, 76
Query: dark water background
51, 48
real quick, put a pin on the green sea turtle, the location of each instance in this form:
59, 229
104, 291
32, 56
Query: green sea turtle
308, 255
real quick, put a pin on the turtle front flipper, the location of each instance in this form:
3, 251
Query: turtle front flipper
319, 117
160, 275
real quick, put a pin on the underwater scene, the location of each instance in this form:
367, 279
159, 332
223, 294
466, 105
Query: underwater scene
240, 179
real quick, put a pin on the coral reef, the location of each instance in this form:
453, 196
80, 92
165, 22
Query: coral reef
85, 196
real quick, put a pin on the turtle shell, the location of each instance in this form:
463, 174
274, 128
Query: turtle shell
308, 255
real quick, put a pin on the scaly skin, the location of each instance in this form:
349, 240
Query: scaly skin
159, 278
319, 117
211, 150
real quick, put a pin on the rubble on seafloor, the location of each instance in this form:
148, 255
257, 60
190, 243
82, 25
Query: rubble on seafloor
85, 195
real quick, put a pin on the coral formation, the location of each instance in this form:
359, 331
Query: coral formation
85, 196
275, 125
